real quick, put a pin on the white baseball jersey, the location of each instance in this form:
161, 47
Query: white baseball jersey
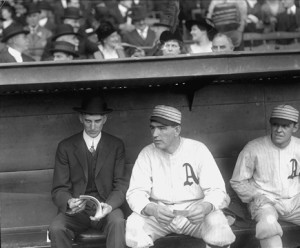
263, 168
188, 175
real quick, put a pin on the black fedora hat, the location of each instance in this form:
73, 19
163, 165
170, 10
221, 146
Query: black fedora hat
32, 8
72, 13
63, 29
43, 5
12, 30
138, 14
168, 35
65, 47
200, 22
104, 30
94, 105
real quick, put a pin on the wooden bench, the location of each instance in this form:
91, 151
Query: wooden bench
268, 41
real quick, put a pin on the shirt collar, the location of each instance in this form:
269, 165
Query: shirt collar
89, 141
123, 9
16, 54
293, 9
143, 33
42, 22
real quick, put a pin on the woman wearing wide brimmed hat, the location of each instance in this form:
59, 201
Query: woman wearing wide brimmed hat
202, 31
109, 42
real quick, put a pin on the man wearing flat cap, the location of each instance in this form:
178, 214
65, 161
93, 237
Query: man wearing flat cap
89, 163
176, 187
266, 177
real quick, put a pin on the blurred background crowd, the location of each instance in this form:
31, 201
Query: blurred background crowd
44, 30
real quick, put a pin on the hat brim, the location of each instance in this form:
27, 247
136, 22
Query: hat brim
163, 121
67, 33
64, 51
75, 17
157, 24
5, 38
281, 121
92, 112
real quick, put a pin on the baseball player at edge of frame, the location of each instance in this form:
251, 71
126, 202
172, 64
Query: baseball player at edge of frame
176, 187
266, 177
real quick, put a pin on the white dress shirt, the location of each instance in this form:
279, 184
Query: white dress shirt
16, 54
91, 142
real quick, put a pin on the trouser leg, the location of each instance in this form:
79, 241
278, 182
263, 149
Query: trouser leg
268, 230
115, 229
142, 231
64, 228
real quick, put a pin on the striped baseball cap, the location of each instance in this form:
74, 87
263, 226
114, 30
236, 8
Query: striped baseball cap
166, 115
284, 112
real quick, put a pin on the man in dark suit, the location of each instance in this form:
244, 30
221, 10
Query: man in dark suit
289, 20
142, 35
89, 163
14, 36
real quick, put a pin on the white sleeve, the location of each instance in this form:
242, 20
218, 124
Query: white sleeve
242, 175
211, 181
140, 183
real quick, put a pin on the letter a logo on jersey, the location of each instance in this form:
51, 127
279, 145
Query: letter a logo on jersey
190, 174
294, 169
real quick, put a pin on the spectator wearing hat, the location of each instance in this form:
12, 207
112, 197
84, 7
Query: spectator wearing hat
202, 31
171, 44
14, 36
91, 162
176, 187
64, 51
222, 43
73, 17
142, 35
266, 176
120, 12
64, 32
109, 43
47, 18
38, 36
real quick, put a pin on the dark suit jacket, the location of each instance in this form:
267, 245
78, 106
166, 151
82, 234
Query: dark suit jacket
135, 39
288, 23
71, 171
5, 57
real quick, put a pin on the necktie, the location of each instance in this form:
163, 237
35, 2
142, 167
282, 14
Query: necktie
92, 149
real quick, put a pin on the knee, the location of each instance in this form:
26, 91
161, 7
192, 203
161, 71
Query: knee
57, 230
267, 225
135, 236
215, 230
116, 223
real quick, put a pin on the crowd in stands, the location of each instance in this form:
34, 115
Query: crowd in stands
45, 30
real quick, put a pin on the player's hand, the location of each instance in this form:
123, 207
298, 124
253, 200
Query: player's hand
163, 215
106, 209
76, 205
198, 212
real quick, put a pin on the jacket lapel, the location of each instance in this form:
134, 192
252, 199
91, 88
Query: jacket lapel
80, 154
102, 153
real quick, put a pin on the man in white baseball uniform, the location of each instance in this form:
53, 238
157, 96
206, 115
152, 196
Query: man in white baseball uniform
176, 187
267, 178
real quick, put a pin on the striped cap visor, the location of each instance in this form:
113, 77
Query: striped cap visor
286, 112
166, 115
